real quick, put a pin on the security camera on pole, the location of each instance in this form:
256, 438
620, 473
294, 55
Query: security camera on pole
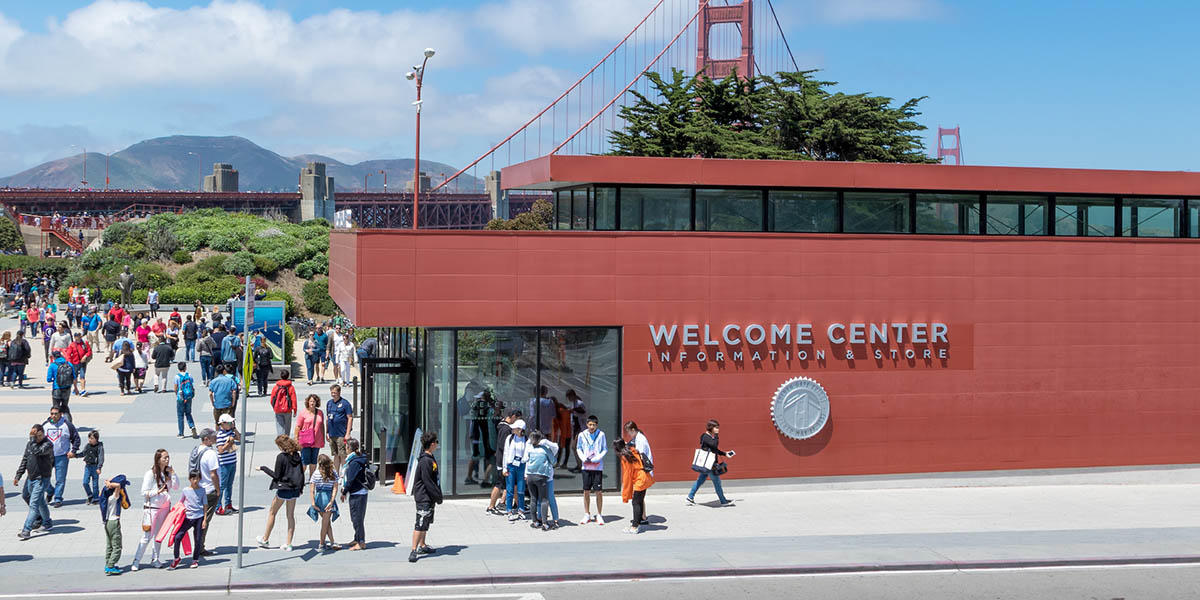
418, 75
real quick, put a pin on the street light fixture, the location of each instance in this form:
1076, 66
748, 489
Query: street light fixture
418, 75
84, 180
384, 173
365, 178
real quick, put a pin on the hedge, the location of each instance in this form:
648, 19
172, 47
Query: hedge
289, 347
317, 298
181, 257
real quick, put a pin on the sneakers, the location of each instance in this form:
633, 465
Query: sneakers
261, 542
221, 511
43, 529
632, 530
551, 526
586, 519
195, 565
727, 503
112, 571
24, 535
514, 517
286, 547
157, 564
174, 564
536, 525
230, 510
133, 567
425, 550
193, 432
412, 556
599, 519
690, 500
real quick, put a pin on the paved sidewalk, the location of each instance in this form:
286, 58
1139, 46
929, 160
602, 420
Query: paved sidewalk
1090, 516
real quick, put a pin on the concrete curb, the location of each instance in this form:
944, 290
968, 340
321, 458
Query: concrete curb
574, 577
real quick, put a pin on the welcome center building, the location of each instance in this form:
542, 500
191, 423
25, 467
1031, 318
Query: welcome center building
837, 318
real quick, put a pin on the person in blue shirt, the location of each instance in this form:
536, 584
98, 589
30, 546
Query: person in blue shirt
223, 392
339, 420
229, 353
321, 340
91, 326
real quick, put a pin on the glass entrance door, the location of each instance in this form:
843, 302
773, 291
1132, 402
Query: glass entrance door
388, 415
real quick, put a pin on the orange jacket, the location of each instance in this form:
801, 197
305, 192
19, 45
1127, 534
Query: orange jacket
633, 477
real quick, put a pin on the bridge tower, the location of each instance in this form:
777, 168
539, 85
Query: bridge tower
945, 151
739, 14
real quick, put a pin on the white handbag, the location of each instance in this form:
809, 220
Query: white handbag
703, 460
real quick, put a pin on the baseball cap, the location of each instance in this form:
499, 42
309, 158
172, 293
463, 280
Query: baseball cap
519, 424
57, 354
78, 334
225, 418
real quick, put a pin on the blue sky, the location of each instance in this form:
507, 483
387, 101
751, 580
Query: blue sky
1060, 84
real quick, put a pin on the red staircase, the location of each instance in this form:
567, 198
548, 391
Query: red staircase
60, 232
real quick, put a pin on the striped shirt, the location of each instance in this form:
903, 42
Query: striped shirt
226, 458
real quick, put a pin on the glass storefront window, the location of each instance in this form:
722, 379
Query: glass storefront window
562, 204
1016, 215
801, 211
656, 209
1144, 217
1193, 218
605, 208
579, 210
438, 401
948, 213
729, 210
876, 212
1084, 216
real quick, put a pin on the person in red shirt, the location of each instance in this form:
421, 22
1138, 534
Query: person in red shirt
159, 327
79, 353
175, 316
117, 313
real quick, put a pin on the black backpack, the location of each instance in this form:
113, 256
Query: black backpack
370, 476
295, 476
65, 376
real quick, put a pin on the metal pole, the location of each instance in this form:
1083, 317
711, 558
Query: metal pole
417, 161
242, 447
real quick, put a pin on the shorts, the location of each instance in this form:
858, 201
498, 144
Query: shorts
593, 481
308, 456
424, 517
140, 373
498, 479
318, 357
337, 446
81, 371
287, 494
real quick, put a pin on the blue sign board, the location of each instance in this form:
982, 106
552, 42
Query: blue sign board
268, 318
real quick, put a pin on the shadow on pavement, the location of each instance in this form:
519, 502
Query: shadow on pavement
16, 558
446, 551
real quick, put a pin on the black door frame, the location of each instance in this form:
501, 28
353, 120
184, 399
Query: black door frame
386, 366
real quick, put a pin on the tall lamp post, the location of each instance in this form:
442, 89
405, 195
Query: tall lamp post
418, 75
365, 179
384, 173
83, 181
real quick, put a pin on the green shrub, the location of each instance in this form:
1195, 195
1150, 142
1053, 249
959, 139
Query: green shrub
193, 239
10, 236
317, 298
289, 256
317, 265
36, 265
362, 333
131, 248
239, 263
181, 257
150, 275
319, 222
289, 346
118, 233
160, 239
265, 266
290, 309
225, 241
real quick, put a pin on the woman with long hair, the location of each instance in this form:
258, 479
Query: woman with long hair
635, 480
141, 363
157, 485
324, 501
4, 341
310, 432
288, 482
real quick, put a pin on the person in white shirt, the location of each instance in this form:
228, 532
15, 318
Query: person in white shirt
637, 439
210, 480
591, 446
345, 356
157, 485
514, 470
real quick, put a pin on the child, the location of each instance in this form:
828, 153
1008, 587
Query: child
93, 463
113, 499
194, 500
591, 446
324, 490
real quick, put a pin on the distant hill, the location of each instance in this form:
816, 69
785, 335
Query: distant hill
170, 163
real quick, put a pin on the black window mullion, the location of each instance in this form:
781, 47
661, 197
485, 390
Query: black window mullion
912, 213
765, 226
841, 211
617, 202
1118, 221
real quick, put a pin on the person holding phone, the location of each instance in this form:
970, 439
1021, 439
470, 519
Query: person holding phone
157, 485
709, 441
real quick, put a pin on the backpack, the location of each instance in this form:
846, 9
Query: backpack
294, 476
370, 476
194, 458
280, 401
64, 377
187, 389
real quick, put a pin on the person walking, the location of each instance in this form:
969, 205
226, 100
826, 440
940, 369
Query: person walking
203, 460
287, 479
283, 403
18, 356
5, 340
185, 392
709, 441
111, 330
152, 300
36, 464
346, 353
591, 447
227, 440
190, 335
222, 393
310, 355
320, 343
79, 354
141, 359
61, 377
356, 484
207, 349
230, 352
635, 480
159, 482
427, 494
93, 464
126, 365
65, 438
113, 499
310, 432
339, 415
91, 327
514, 470
324, 501
164, 356
262, 358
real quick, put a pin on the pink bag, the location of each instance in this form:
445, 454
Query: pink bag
308, 437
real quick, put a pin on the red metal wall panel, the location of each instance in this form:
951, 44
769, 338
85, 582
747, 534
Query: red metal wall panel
1064, 352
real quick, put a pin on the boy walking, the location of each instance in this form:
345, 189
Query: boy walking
427, 492
113, 500
227, 441
185, 392
590, 447
93, 463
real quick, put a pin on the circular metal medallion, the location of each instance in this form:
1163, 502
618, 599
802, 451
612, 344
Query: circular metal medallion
800, 408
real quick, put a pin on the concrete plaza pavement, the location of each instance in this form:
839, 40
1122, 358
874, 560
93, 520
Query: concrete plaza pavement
847, 524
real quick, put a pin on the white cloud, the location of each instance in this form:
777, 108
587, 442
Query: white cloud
536, 26
797, 13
